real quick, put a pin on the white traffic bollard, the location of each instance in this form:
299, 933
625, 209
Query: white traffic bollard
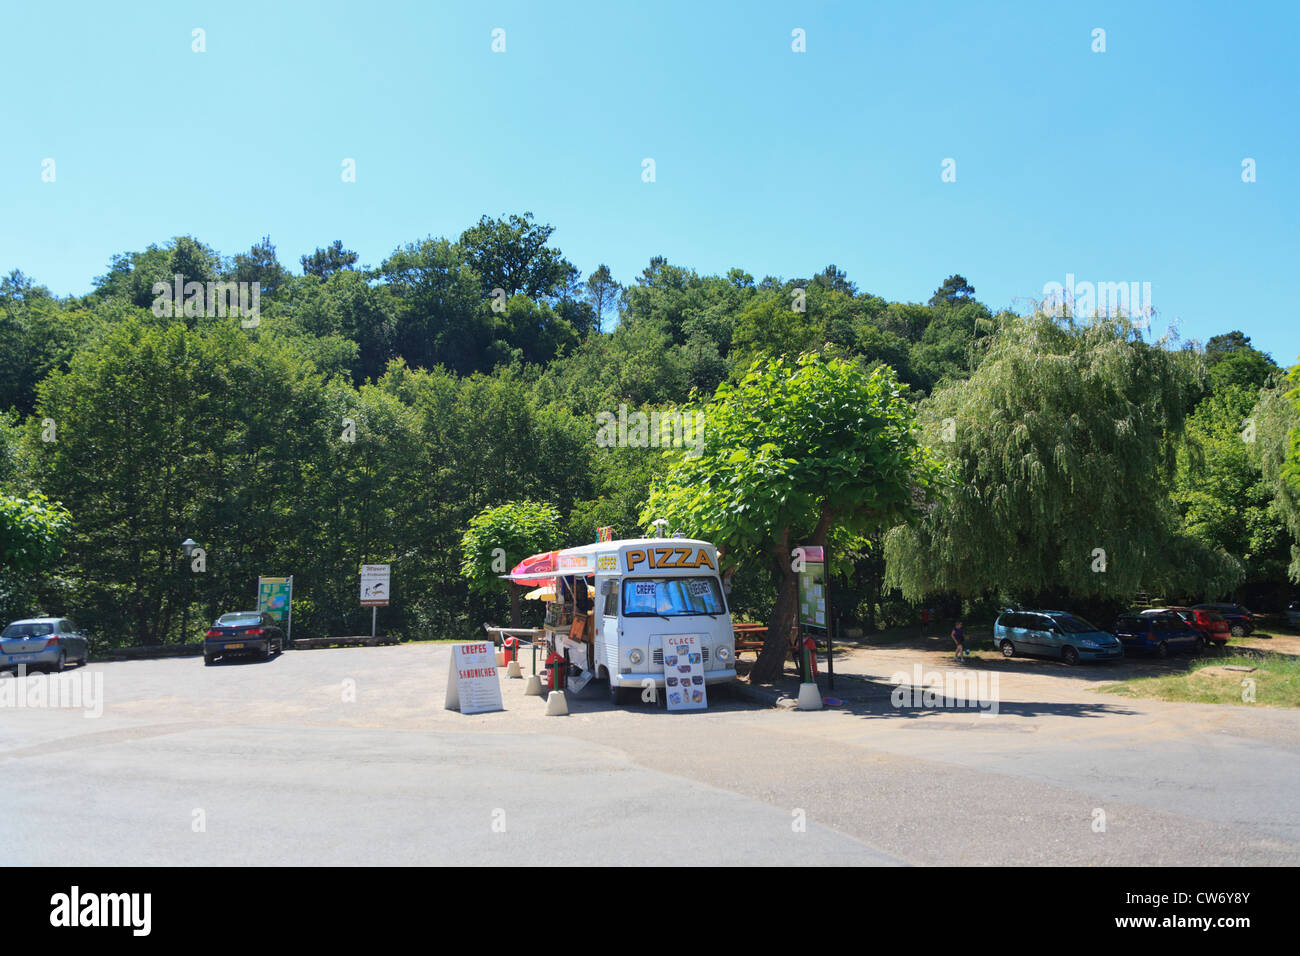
810, 698
556, 704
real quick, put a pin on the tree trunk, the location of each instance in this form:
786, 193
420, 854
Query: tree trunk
771, 659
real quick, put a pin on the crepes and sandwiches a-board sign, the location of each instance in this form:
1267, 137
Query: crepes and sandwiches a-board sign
473, 686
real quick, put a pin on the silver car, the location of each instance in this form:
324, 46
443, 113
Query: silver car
42, 643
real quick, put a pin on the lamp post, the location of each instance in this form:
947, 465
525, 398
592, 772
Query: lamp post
187, 546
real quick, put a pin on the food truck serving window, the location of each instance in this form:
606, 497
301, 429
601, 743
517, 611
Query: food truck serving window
671, 597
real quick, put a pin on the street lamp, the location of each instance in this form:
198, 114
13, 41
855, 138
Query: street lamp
187, 546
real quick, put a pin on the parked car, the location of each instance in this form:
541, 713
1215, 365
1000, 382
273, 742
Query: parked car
1054, 634
1160, 634
243, 634
1211, 624
1240, 621
1293, 614
42, 643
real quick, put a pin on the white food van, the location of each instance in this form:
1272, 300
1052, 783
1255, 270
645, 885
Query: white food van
639, 591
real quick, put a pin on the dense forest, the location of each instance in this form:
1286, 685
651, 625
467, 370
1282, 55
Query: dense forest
369, 414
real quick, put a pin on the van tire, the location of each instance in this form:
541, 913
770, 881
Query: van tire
617, 697
1163, 649
1008, 649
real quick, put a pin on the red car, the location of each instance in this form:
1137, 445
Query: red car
1212, 625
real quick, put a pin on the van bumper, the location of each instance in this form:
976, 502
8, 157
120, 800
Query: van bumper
638, 680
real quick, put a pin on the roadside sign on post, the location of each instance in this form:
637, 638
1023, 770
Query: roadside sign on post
275, 597
812, 587
814, 612
374, 589
374, 585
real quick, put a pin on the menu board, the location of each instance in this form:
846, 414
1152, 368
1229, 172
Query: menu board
472, 683
684, 672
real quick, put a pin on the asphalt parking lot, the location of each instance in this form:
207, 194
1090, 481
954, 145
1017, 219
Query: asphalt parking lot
346, 756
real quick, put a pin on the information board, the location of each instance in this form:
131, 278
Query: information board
812, 587
274, 596
374, 585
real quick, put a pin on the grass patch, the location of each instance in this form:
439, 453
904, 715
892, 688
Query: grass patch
1276, 680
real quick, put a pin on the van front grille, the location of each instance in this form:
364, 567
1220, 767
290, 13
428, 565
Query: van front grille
658, 655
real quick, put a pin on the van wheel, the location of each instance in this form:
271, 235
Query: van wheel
617, 697
1163, 649
1070, 655
1200, 645
1238, 631
1008, 649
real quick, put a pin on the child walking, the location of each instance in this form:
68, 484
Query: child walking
959, 639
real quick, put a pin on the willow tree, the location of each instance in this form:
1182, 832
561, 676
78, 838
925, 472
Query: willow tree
1062, 447
790, 452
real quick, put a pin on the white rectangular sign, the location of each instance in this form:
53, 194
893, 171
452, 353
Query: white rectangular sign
472, 683
374, 585
684, 672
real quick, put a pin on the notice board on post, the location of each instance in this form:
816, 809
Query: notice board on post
812, 587
274, 596
473, 686
375, 581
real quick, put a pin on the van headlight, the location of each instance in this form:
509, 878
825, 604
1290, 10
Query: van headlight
634, 655
724, 653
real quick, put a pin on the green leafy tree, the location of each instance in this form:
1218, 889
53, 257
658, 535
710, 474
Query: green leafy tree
603, 294
323, 263
1220, 489
499, 538
260, 264
792, 451
514, 254
33, 530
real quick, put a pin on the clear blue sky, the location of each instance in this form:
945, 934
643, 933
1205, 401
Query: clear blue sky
1115, 166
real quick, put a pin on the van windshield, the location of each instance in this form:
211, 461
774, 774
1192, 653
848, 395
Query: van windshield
672, 597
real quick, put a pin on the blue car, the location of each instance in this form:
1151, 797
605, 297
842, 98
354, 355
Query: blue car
1159, 634
1054, 634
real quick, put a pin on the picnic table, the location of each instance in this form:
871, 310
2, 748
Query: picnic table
752, 637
